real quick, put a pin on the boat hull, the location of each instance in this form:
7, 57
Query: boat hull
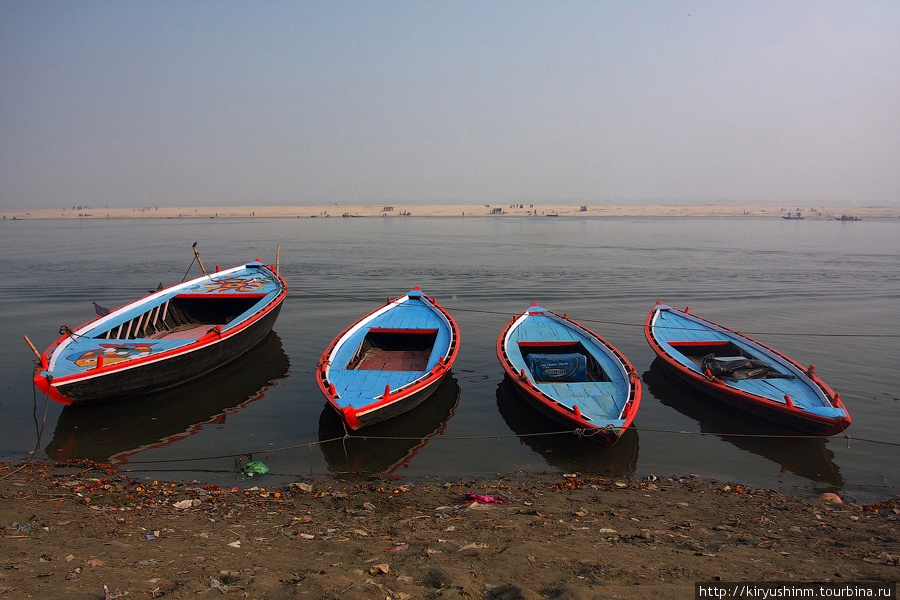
570, 404
774, 405
366, 384
116, 431
605, 436
182, 359
165, 373
395, 407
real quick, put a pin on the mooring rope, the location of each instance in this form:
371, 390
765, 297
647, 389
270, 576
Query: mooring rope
579, 432
507, 314
39, 428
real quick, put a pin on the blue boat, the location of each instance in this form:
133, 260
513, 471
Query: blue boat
570, 374
164, 339
744, 372
389, 445
389, 361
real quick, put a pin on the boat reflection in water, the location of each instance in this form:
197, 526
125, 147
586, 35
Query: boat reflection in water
565, 451
118, 430
807, 457
383, 447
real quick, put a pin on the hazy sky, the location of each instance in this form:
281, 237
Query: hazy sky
186, 103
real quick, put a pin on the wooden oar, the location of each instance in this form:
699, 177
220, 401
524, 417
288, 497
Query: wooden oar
33, 349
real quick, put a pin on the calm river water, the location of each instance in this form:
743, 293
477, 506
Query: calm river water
822, 292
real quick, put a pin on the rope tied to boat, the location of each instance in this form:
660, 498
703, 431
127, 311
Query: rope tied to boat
608, 430
67, 331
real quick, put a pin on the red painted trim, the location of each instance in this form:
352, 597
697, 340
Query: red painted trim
695, 344
350, 416
411, 388
221, 296
207, 340
634, 396
836, 425
400, 330
53, 393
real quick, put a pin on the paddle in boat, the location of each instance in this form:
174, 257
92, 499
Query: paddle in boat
166, 338
570, 373
389, 361
743, 372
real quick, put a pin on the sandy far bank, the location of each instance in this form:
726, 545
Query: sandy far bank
455, 210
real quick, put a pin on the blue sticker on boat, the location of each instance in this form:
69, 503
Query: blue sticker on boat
557, 367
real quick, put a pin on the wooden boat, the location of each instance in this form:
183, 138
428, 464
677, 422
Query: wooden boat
389, 361
570, 373
743, 372
164, 339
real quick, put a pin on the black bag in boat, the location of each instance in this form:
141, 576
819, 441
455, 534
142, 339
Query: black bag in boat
739, 367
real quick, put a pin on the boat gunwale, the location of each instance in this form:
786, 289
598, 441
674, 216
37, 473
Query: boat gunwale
421, 384
829, 425
85, 328
563, 412
215, 335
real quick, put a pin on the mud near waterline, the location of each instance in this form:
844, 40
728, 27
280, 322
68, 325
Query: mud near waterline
71, 529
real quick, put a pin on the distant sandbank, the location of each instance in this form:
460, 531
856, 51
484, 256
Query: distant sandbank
456, 210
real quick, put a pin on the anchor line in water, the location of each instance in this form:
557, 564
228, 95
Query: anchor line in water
506, 314
39, 428
577, 432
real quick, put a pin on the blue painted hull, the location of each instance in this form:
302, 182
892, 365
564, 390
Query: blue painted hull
787, 393
542, 354
165, 339
389, 361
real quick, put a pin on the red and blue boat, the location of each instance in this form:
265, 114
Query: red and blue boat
389, 361
570, 374
164, 339
744, 373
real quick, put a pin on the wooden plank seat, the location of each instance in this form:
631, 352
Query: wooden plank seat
183, 332
376, 359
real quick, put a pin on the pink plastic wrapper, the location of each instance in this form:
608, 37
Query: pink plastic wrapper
469, 498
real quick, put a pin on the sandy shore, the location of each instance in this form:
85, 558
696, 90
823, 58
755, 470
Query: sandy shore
69, 530
448, 210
